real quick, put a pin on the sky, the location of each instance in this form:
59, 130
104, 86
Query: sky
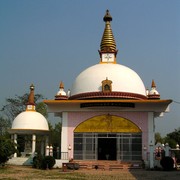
47, 41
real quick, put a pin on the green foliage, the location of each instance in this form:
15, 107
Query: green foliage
175, 135
15, 106
167, 163
37, 161
172, 142
158, 138
55, 137
41, 162
42, 108
48, 162
7, 148
172, 138
5, 124
55, 134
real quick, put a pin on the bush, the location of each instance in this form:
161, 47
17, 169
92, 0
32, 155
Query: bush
37, 161
41, 162
7, 148
167, 163
48, 162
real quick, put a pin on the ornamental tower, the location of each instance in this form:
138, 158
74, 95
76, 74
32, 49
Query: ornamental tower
31, 105
108, 49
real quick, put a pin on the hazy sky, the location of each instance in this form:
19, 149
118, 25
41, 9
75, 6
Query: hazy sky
46, 41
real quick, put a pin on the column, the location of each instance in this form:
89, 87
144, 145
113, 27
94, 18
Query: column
50, 150
167, 149
46, 141
151, 155
15, 141
33, 143
47, 150
64, 136
151, 138
46, 146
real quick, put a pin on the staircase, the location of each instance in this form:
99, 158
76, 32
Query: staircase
27, 161
108, 165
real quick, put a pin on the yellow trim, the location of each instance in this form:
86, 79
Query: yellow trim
30, 108
108, 124
110, 100
114, 62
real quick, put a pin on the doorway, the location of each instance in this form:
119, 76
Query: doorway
107, 149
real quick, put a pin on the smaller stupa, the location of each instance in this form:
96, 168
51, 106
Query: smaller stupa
30, 129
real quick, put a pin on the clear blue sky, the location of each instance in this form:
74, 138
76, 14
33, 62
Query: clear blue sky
46, 41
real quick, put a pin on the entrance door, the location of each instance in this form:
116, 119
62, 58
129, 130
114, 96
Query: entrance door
106, 148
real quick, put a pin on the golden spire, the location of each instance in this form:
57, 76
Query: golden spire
153, 85
108, 43
31, 104
61, 86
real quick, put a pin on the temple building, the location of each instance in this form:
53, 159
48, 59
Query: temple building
108, 114
30, 130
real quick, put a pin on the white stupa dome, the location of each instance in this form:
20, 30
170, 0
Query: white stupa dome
61, 92
108, 79
124, 80
153, 92
30, 120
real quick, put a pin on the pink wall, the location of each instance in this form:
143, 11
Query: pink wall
139, 118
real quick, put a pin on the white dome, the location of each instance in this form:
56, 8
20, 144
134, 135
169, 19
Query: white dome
61, 92
123, 79
30, 120
153, 91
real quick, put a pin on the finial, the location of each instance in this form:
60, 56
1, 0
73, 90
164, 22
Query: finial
153, 85
32, 87
107, 16
108, 43
61, 86
31, 95
31, 104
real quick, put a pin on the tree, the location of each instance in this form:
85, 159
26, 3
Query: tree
15, 106
175, 135
56, 134
55, 137
4, 126
158, 138
173, 138
7, 148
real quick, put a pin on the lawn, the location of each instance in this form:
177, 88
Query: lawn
24, 172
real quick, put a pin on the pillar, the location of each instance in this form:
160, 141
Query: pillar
151, 139
15, 141
151, 156
51, 150
47, 150
64, 136
33, 143
47, 146
167, 149
46, 141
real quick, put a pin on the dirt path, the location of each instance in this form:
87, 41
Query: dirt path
22, 172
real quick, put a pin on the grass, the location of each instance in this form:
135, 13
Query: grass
28, 173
